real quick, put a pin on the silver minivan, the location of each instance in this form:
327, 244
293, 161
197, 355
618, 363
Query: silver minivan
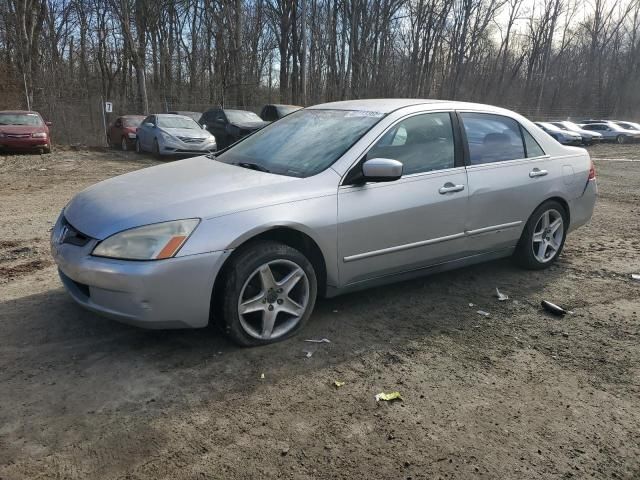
330, 199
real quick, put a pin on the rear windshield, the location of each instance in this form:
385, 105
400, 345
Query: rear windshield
176, 121
242, 116
303, 143
20, 119
132, 122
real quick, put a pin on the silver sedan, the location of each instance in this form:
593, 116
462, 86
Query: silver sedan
330, 199
169, 134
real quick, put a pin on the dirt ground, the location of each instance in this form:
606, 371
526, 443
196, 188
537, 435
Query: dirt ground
516, 395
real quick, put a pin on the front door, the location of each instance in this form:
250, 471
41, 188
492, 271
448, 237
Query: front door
413, 222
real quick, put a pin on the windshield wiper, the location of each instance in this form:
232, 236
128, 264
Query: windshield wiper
253, 166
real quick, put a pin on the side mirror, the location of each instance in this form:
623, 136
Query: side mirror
148, 125
381, 170
48, 124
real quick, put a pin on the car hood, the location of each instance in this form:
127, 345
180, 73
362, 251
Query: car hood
196, 187
18, 129
186, 132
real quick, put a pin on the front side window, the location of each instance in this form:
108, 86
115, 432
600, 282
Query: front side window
422, 143
302, 144
492, 138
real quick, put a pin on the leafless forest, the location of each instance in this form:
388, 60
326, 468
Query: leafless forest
544, 58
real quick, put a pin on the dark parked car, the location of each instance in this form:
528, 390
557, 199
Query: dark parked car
22, 130
229, 126
271, 113
122, 132
195, 116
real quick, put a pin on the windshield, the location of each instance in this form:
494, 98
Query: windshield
176, 121
571, 125
241, 116
303, 143
132, 121
20, 119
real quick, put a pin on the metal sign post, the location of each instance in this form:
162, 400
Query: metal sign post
105, 107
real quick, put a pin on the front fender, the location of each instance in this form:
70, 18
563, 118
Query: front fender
315, 217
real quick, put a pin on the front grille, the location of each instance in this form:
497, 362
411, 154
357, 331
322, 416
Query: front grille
72, 235
191, 140
18, 135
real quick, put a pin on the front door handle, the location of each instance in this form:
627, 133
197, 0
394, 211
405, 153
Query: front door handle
536, 172
450, 187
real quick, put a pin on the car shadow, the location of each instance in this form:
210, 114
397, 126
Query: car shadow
47, 335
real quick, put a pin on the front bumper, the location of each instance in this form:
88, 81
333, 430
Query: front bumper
180, 148
172, 293
24, 144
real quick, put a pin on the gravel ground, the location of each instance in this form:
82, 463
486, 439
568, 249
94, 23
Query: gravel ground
518, 394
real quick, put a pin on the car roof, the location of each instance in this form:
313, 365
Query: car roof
133, 116
388, 105
237, 110
19, 112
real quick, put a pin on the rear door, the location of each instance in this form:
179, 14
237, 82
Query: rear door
509, 175
413, 222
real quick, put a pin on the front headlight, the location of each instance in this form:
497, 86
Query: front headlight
39, 135
168, 139
151, 242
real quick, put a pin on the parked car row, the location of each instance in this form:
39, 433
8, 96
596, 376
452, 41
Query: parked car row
180, 132
589, 132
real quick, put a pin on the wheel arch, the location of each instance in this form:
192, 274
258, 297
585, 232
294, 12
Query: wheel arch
286, 234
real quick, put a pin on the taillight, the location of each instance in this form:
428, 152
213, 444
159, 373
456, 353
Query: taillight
592, 171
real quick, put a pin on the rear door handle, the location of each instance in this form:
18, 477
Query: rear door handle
450, 187
536, 172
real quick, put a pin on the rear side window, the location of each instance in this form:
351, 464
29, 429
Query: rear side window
492, 138
533, 149
422, 143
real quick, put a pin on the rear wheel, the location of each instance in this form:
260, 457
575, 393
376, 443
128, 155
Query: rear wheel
268, 294
621, 139
543, 237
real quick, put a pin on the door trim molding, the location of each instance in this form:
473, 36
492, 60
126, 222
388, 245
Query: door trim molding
399, 248
493, 228
432, 241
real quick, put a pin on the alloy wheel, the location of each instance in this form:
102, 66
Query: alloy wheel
547, 236
273, 300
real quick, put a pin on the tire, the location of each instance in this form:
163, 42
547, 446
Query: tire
109, 141
620, 139
124, 144
138, 146
244, 287
156, 148
532, 253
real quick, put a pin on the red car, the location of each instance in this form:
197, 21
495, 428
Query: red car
22, 130
122, 132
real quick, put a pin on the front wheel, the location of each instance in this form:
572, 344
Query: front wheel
138, 146
621, 139
124, 145
268, 295
543, 236
156, 148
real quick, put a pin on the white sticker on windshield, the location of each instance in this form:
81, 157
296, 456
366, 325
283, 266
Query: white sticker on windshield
363, 113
